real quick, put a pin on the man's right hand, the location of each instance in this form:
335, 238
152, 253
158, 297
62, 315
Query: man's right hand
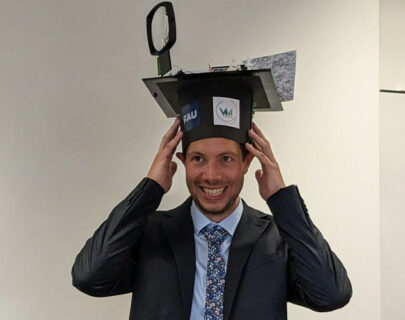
163, 168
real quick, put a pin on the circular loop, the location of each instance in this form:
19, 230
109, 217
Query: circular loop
161, 28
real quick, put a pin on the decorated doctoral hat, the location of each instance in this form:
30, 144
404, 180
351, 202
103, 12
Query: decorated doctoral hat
219, 103
215, 104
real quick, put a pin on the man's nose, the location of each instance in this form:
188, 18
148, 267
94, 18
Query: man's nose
212, 173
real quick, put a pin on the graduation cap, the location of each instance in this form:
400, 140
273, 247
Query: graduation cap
213, 104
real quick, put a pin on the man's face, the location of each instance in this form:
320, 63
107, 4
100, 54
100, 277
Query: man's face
215, 170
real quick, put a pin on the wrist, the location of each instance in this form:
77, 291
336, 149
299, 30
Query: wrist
271, 190
156, 184
157, 181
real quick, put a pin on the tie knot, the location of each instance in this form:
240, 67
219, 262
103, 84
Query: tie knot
215, 234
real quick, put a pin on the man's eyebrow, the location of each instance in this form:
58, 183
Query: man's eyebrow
227, 153
195, 153
222, 154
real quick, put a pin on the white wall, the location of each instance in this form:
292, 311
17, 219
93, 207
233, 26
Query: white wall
392, 47
79, 130
392, 155
392, 192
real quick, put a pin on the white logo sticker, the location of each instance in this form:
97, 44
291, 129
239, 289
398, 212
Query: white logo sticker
226, 112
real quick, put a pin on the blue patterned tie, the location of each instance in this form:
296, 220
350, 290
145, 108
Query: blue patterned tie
214, 300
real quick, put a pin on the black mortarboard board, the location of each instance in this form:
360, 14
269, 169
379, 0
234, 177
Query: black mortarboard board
215, 104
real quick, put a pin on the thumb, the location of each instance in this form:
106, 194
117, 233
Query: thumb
259, 174
173, 168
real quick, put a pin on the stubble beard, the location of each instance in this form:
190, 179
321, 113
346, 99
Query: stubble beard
224, 209
228, 205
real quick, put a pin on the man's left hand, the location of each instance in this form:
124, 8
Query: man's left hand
269, 176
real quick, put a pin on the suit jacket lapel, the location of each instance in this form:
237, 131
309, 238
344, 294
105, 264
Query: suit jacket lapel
178, 227
250, 227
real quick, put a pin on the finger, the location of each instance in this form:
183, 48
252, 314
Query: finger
172, 145
258, 131
172, 130
266, 163
170, 133
259, 174
256, 145
260, 134
263, 159
264, 145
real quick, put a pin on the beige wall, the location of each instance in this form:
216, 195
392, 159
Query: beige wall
392, 155
78, 130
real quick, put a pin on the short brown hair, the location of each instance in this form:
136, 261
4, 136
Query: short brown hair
242, 147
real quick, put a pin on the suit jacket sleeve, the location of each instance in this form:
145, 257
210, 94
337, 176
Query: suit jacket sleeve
105, 265
317, 278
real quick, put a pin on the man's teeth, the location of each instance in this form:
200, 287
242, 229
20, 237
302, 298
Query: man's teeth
213, 192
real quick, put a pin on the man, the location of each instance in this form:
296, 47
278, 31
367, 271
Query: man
172, 262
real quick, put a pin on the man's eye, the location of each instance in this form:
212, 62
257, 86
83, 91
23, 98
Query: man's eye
227, 159
197, 159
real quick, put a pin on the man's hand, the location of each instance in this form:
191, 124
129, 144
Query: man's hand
269, 176
163, 168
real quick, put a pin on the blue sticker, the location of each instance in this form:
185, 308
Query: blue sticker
190, 115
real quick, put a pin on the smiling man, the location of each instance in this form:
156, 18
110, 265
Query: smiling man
213, 257
215, 168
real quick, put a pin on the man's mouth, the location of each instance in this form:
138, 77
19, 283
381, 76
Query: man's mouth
213, 192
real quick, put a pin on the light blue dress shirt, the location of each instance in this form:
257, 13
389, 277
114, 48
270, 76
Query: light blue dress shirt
201, 253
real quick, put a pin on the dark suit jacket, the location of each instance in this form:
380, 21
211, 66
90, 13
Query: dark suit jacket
271, 260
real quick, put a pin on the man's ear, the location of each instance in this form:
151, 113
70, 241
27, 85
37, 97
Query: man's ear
246, 162
180, 156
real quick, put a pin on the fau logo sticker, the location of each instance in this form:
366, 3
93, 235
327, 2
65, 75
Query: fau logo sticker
190, 115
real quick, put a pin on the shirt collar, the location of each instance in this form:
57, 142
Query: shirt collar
229, 223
